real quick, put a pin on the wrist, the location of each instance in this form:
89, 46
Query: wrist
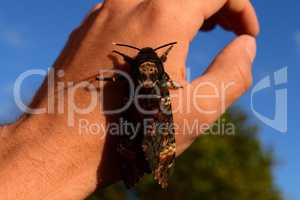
48, 161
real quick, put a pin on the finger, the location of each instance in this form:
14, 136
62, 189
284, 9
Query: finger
226, 79
240, 12
239, 17
202, 7
239, 22
209, 8
248, 19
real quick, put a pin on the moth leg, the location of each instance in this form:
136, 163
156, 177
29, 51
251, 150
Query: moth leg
174, 85
98, 78
113, 78
164, 56
101, 79
171, 83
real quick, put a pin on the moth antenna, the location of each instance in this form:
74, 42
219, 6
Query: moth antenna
165, 45
126, 45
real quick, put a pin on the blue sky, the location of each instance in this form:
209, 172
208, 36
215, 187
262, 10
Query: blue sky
32, 34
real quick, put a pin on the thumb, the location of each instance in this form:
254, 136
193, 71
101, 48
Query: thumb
226, 79
229, 76
207, 97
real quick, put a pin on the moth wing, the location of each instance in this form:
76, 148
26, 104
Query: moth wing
160, 150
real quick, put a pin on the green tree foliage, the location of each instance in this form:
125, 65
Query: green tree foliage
217, 166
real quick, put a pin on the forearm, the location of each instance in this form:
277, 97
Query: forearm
46, 165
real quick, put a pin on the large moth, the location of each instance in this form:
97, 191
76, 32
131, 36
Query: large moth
153, 149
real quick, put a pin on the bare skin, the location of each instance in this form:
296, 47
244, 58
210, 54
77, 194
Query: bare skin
41, 157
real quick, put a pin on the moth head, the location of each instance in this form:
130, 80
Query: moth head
148, 74
148, 66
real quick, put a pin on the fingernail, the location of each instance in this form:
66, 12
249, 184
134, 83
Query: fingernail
250, 46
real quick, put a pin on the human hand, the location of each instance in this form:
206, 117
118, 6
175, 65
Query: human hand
145, 23
155, 22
